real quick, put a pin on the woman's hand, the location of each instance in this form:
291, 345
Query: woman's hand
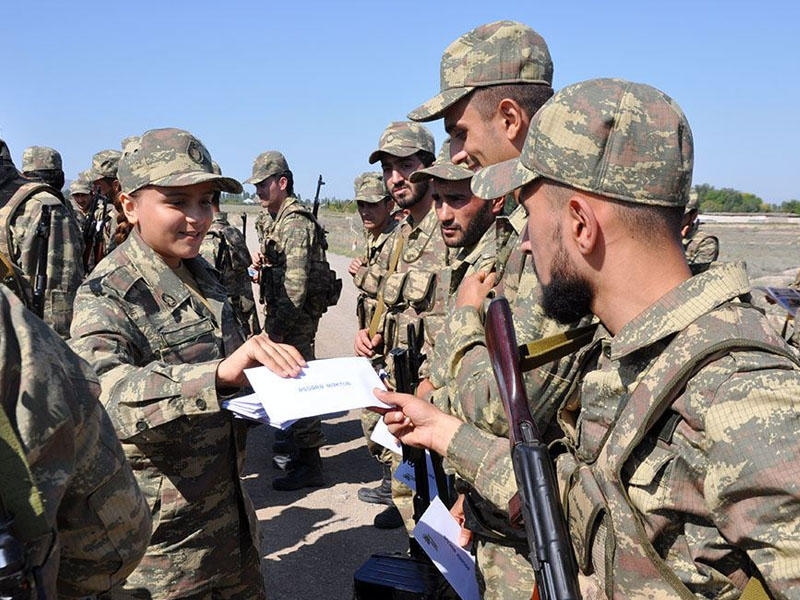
281, 359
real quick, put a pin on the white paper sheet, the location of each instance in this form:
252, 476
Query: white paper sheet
380, 435
405, 472
250, 407
325, 386
437, 533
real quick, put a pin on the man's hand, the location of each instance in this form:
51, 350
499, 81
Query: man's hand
355, 265
474, 289
416, 422
424, 388
364, 346
281, 359
465, 535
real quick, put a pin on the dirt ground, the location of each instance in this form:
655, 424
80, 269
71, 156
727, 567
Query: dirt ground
314, 540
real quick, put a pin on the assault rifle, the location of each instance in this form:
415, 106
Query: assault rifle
412, 577
315, 209
545, 526
244, 227
40, 275
93, 242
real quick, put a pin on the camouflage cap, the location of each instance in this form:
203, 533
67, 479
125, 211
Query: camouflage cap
693, 203
169, 158
622, 140
104, 164
370, 187
128, 140
267, 164
403, 138
38, 158
80, 186
5, 153
443, 168
497, 53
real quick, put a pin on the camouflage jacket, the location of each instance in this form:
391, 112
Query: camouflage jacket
413, 293
224, 247
292, 243
262, 224
369, 276
64, 256
90, 496
480, 257
713, 486
155, 347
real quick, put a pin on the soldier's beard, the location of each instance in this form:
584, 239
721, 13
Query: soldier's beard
568, 296
417, 193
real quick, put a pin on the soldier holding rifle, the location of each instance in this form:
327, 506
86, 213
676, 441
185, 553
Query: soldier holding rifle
682, 395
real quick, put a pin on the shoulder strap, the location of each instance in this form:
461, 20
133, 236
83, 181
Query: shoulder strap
23, 192
397, 250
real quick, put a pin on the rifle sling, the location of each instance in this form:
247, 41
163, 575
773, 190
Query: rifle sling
380, 307
542, 351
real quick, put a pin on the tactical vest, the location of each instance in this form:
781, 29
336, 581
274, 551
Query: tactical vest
607, 532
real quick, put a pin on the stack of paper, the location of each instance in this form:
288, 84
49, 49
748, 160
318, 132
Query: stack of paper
324, 387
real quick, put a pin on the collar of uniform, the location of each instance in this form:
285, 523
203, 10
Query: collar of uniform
518, 219
696, 296
384, 235
168, 289
289, 203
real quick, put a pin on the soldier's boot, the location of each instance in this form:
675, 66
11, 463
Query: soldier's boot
388, 519
382, 494
305, 470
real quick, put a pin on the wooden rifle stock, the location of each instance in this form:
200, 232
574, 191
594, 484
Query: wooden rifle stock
551, 551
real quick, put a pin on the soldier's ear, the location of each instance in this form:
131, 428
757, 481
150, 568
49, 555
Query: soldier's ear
129, 207
514, 119
497, 205
283, 182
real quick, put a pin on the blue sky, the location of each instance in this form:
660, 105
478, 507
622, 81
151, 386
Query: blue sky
320, 80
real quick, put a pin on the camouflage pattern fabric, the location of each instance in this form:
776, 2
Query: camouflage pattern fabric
715, 492
291, 244
565, 144
403, 138
104, 164
369, 276
502, 52
155, 347
225, 249
413, 294
701, 250
64, 257
37, 158
88, 489
262, 224
267, 164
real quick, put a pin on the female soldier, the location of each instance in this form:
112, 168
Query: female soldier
155, 324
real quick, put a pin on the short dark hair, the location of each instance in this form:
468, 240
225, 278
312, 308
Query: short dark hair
530, 97
425, 157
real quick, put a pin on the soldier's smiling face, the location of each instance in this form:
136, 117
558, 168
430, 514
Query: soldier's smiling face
171, 220
475, 141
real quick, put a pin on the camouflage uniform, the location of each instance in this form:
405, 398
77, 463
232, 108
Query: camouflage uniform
672, 482
104, 166
18, 239
291, 244
155, 337
700, 249
79, 186
503, 52
369, 187
225, 248
91, 501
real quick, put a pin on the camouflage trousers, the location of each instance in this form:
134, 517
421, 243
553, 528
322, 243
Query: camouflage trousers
244, 584
503, 573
